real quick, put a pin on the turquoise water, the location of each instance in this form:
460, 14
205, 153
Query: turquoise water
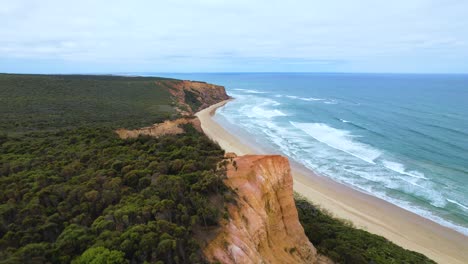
402, 138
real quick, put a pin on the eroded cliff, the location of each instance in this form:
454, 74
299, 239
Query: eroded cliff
188, 97
263, 225
192, 96
168, 127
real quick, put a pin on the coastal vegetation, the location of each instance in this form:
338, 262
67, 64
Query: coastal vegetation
50, 102
343, 243
71, 190
82, 193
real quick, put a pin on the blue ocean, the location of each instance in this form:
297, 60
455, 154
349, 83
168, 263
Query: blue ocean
402, 138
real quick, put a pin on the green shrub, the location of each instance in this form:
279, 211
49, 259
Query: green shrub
343, 243
82, 194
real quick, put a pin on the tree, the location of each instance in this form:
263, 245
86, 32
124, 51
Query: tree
101, 255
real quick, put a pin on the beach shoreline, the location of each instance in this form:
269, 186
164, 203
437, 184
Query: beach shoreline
367, 212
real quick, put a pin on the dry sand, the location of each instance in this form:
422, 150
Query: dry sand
366, 212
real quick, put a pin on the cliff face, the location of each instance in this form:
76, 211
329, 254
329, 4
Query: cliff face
192, 96
263, 225
189, 97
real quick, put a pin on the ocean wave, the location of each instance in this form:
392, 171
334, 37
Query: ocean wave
361, 127
424, 213
378, 187
307, 99
409, 182
311, 99
330, 102
340, 140
400, 168
271, 102
249, 91
425, 191
292, 97
314, 99
262, 109
452, 130
458, 203
260, 112
437, 139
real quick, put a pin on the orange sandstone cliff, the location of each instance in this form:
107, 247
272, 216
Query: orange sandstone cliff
168, 127
263, 225
192, 96
189, 97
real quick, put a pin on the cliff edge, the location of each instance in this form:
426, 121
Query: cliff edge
168, 127
263, 225
188, 97
192, 96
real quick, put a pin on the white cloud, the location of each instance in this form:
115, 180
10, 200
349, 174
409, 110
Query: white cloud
183, 35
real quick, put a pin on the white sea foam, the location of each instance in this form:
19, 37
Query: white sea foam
339, 139
457, 203
423, 212
312, 99
272, 102
400, 168
344, 121
308, 99
249, 91
259, 112
263, 110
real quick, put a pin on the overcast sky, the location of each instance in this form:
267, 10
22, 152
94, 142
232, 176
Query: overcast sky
86, 36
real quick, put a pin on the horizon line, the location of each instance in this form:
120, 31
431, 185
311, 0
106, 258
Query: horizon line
138, 73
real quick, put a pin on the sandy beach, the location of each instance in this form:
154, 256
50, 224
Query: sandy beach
367, 212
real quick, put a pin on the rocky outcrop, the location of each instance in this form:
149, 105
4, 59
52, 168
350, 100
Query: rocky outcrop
192, 96
263, 226
169, 127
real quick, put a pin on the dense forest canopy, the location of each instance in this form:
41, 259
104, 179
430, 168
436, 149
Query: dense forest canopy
48, 102
65, 192
71, 190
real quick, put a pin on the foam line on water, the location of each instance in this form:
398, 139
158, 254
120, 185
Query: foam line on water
312, 99
400, 168
259, 112
457, 203
330, 102
250, 91
262, 109
308, 99
339, 139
